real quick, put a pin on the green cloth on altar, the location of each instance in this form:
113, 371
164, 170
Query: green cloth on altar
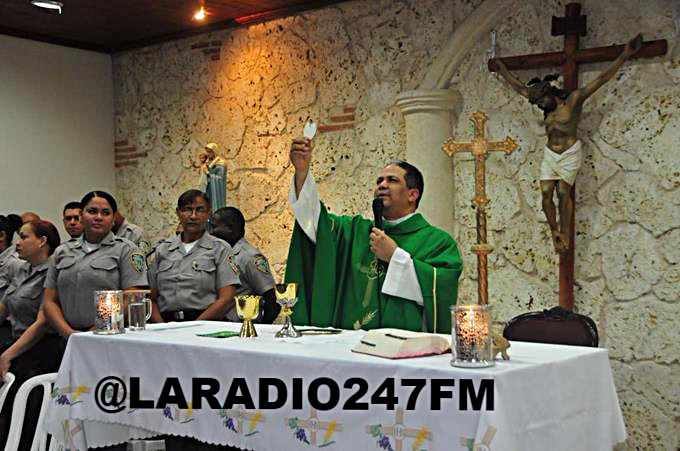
340, 277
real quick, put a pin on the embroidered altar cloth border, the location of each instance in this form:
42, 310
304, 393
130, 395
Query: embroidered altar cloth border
563, 396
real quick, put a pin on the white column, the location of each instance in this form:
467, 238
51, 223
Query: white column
429, 115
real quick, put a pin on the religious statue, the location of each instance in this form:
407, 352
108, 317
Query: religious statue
214, 173
562, 155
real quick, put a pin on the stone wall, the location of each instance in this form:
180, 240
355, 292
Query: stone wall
628, 216
251, 89
254, 93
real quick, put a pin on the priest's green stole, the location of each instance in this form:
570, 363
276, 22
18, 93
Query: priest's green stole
340, 280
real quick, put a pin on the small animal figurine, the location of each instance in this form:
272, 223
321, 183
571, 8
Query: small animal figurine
500, 344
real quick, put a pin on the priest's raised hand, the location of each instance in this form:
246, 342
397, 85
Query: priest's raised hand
301, 156
336, 259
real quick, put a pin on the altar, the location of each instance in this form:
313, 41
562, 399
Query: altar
323, 395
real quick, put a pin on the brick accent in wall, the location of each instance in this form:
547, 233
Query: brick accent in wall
344, 119
126, 154
211, 49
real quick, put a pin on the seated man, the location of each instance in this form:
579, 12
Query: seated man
256, 278
354, 275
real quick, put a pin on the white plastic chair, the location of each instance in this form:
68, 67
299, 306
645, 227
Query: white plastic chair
9, 380
19, 410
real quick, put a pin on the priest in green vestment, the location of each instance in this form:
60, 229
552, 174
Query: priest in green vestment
353, 275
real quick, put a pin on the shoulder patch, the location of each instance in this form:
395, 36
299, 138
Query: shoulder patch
144, 246
138, 261
230, 259
261, 264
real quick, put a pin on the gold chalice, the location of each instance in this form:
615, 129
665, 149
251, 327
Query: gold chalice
248, 307
286, 297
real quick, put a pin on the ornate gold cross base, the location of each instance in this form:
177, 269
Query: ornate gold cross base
480, 148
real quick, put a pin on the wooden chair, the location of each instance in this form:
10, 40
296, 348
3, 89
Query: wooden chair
556, 326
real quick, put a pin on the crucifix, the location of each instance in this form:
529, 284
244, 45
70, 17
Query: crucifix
562, 109
480, 148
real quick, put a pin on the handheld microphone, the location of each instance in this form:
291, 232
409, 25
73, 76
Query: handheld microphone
377, 212
377, 222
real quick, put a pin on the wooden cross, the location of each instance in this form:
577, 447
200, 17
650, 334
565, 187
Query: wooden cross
315, 425
242, 415
400, 432
571, 27
480, 148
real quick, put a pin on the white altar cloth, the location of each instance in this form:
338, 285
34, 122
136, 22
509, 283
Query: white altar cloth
546, 397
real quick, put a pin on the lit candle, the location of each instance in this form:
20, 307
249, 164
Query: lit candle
108, 306
471, 336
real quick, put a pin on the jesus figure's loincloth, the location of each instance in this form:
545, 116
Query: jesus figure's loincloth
562, 166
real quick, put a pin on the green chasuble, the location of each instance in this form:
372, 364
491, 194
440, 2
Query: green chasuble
341, 279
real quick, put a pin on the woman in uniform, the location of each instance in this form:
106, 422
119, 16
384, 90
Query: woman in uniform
35, 350
193, 275
98, 260
8, 257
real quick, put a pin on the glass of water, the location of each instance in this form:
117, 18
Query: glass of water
139, 308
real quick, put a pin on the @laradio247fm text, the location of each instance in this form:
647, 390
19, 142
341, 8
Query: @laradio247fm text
113, 394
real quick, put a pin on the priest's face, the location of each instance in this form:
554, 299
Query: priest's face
398, 199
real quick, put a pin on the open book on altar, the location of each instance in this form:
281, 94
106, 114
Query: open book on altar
401, 344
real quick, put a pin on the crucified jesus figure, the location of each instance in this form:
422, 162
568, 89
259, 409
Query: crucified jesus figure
562, 155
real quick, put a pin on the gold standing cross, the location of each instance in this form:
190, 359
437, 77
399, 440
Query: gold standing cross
480, 148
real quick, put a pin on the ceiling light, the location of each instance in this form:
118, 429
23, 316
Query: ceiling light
200, 14
48, 4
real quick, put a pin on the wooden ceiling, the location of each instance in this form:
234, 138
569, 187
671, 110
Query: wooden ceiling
114, 25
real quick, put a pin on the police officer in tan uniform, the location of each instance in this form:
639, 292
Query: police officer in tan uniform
98, 260
193, 275
254, 272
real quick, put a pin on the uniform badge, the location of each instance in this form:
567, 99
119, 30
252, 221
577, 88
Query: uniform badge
261, 264
144, 246
194, 264
230, 259
138, 261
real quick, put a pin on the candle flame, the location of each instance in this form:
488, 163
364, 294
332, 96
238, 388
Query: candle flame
200, 14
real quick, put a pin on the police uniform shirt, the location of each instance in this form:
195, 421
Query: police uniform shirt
6, 254
76, 271
9, 265
24, 296
190, 280
254, 272
135, 234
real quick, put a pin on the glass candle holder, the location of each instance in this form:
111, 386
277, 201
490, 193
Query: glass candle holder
109, 315
471, 341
